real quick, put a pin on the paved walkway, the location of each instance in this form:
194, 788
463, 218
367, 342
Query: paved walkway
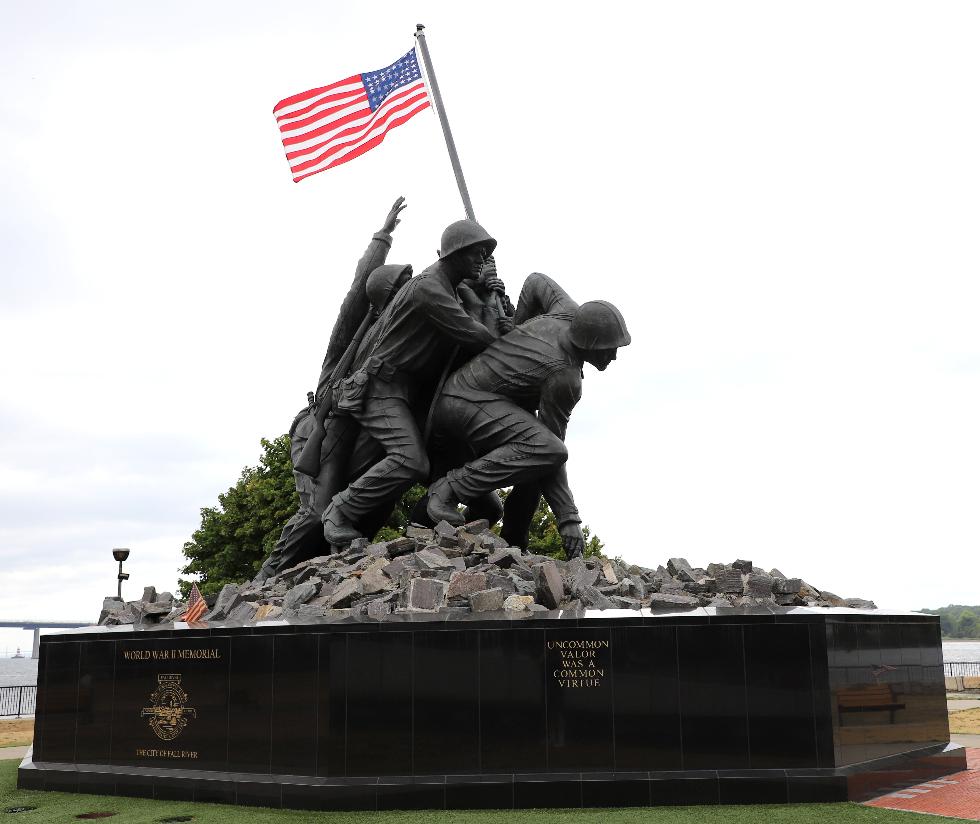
12, 752
956, 796
954, 704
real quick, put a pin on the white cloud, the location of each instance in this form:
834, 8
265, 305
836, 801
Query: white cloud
780, 197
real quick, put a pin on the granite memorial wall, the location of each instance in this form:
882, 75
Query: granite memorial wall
594, 709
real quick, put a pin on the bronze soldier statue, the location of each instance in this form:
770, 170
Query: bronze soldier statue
397, 365
479, 297
299, 434
488, 405
339, 452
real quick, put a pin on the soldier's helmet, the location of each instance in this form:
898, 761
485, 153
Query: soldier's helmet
599, 325
465, 233
381, 283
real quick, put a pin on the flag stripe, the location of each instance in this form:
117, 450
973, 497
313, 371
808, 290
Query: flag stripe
196, 605
324, 127
304, 125
323, 108
361, 112
302, 97
341, 142
344, 126
358, 151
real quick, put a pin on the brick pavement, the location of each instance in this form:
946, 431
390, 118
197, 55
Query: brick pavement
956, 795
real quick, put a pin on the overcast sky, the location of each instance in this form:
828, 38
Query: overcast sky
781, 197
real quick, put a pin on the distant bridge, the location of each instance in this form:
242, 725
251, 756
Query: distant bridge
37, 626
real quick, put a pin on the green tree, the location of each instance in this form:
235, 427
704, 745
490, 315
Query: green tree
395, 527
236, 536
949, 620
967, 626
545, 540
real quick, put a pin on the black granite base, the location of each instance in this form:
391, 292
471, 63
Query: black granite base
557, 710
502, 791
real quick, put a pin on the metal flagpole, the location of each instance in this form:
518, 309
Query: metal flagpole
463, 193
450, 144
447, 133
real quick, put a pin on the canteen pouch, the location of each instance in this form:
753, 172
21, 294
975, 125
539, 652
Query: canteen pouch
350, 392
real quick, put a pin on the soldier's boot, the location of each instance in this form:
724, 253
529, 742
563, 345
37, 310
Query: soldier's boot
268, 571
337, 529
443, 503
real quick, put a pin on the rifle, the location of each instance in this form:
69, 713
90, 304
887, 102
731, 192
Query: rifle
309, 459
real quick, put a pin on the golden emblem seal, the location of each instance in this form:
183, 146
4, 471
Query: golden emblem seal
168, 714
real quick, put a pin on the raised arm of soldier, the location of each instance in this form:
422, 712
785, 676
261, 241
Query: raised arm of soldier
355, 305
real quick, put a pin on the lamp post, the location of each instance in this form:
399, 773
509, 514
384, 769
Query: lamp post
121, 555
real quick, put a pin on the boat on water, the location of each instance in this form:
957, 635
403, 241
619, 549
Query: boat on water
17, 654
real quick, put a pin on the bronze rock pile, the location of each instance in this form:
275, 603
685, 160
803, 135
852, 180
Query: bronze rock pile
458, 571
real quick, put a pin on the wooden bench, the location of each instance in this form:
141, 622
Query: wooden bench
867, 698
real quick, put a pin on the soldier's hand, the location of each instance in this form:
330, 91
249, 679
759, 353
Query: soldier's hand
393, 220
495, 284
504, 324
572, 539
489, 270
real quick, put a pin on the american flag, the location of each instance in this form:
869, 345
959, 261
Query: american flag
196, 606
325, 127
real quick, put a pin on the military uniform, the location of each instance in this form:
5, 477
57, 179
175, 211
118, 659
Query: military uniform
414, 337
489, 403
296, 532
343, 452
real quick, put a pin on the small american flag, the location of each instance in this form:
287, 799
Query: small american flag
196, 606
325, 127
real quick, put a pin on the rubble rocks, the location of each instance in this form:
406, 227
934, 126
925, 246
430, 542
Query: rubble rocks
661, 601
786, 586
758, 585
299, 595
681, 569
228, 599
345, 594
729, 581
374, 580
464, 584
425, 594
455, 571
487, 601
548, 585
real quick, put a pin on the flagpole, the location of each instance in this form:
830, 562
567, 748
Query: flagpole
463, 193
450, 144
441, 111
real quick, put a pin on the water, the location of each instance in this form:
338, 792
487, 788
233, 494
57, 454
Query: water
961, 651
17, 671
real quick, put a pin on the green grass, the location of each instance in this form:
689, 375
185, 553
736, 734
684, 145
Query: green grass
63, 807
